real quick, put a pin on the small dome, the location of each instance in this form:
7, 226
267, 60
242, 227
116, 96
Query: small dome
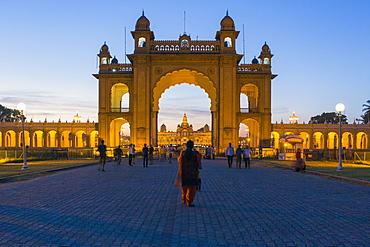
255, 60
265, 48
227, 23
142, 24
114, 60
104, 48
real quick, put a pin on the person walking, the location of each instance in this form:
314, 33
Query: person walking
188, 173
131, 152
118, 154
239, 153
102, 148
247, 153
151, 153
230, 154
145, 151
298, 164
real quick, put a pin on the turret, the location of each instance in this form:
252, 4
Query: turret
142, 35
227, 35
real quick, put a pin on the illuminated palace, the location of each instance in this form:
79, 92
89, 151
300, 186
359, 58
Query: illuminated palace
129, 93
185, 132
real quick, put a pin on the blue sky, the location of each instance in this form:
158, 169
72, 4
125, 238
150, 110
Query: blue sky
48, 52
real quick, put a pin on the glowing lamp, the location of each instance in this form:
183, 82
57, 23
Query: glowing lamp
21, 106
340, 107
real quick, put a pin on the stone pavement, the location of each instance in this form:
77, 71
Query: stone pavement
136, 206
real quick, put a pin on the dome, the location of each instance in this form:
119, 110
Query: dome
227, 23
142, 24
255, 61
114, 60
104, 48
265, 48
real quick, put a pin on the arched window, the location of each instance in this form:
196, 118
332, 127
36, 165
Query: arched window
228, 42
142, 42
184, 43
266, 60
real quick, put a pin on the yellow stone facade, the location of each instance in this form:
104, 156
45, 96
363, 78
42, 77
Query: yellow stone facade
157, 65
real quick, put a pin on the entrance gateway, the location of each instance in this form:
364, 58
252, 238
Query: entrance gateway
157, 65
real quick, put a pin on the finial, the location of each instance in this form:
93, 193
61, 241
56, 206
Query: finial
142, 13
105, 42
227, 12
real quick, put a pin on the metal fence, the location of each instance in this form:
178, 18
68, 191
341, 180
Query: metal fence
45, 154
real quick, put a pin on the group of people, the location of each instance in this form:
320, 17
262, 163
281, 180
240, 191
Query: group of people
244, 154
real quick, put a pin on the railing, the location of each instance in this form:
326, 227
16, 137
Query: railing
120, 109
250, 68
119, 68
248, 110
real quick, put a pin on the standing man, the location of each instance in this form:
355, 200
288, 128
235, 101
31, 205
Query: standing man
131, 153
103, 155
247, 152
145, 151
230, 154
239, 153
151, 152
118, 154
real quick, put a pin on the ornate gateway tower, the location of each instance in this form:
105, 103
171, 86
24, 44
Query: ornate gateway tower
157, 65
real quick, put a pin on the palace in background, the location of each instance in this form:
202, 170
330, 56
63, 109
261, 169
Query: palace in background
130, 93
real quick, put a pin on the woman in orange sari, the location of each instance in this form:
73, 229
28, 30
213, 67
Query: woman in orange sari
188, 173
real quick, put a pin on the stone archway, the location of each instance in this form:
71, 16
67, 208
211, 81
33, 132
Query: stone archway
191, 77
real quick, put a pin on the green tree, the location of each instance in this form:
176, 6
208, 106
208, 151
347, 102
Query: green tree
328, 117
9, 115
365, 118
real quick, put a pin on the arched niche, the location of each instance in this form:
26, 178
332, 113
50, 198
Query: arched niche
253, 131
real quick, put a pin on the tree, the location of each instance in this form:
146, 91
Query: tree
9, 115
328, 117
365, 118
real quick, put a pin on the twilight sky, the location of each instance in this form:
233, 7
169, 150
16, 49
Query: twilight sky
48, 52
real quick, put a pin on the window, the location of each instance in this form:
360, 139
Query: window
228, 42
142, 42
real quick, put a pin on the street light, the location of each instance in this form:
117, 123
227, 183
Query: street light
22, 107
340, 108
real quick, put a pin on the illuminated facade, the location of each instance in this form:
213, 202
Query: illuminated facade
185, 132
212, 65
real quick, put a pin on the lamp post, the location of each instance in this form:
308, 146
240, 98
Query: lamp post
22, 107
340, 108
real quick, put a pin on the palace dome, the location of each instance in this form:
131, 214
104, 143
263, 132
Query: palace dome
142, 24
114, 60
265, 48
104, 48
255, 61
227, 23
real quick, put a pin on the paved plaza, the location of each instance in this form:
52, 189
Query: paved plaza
136, 206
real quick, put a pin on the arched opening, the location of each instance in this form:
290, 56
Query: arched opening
119, 130
195, 88
248, 98
251, 128
66, 139
318, 140
94, 138
52, 140
10, 139
306, 140
275, 137
347, 140
80, 139
142, 42
26, 137
228, 42
362, 141
38, 139
332, 140
119, 98
184, 118
1, 139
